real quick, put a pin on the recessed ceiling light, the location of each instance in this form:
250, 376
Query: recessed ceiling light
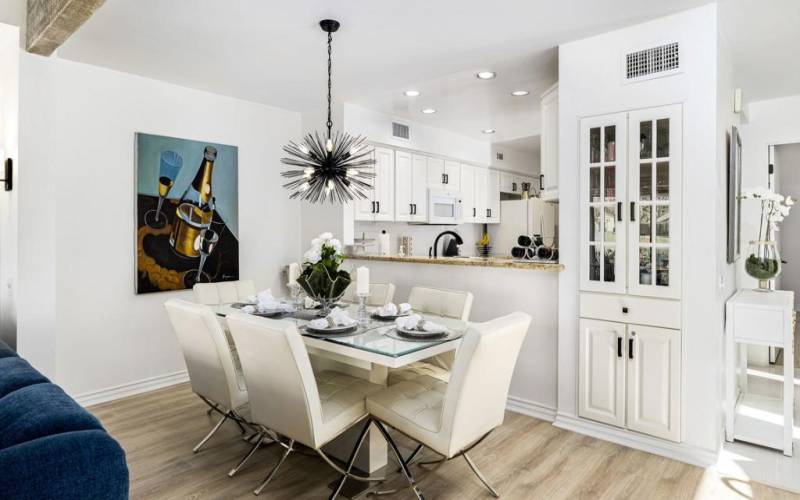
520, 93
411, 93
486, 75
428, 111
488, 131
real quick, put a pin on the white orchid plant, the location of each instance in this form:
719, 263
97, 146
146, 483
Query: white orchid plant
774, 209
321, 277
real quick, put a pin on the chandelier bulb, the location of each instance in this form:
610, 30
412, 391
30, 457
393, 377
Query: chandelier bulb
329, 145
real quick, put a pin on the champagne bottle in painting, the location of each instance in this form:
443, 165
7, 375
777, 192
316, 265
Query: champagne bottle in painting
195, 210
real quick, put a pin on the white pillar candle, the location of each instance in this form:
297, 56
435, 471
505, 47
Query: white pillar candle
362, 281
294, 272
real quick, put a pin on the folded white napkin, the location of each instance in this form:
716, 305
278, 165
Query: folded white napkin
337, 317
248, 309
405, 307
387, 310
431, 327
408, 322
264, 301
318, 324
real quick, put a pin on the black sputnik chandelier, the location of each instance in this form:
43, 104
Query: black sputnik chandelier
336, 167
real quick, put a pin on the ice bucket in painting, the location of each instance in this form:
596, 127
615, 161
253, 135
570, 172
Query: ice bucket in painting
189, 221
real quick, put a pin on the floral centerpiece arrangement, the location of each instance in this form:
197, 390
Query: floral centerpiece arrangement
764, 262
321, 278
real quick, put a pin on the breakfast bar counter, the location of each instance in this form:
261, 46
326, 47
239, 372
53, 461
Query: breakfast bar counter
501, 262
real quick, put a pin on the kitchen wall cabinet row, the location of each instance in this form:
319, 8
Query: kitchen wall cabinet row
515, 183
403, 178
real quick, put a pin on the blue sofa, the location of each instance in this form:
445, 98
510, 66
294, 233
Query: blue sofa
50, 447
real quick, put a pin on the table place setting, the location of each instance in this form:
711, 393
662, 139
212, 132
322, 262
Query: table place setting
337, 322
391, 311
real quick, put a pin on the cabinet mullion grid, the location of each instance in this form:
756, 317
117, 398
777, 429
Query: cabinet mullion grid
654, 247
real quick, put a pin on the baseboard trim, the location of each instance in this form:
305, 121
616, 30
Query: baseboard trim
531, 408
693, 455
132, 388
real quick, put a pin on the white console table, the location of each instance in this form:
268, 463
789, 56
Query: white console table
766, 319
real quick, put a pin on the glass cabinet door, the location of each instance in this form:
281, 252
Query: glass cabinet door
654, 192
603, 196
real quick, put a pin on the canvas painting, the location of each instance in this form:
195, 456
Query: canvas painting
186, 213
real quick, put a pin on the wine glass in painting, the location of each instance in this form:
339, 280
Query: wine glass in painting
204, 244
170, 166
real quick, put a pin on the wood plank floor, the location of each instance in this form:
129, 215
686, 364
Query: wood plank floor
524, 459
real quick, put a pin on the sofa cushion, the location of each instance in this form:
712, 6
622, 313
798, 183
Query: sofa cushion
40, 410
5, 351
16, 373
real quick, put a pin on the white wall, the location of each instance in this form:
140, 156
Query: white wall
590, 84
514, 160
787, 168
77, 201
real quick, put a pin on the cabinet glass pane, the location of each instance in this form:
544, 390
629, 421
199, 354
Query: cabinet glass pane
662, 138
609, 253
662, 180
662, 267
594, 263
662, 224
646, 181
609, 226
594, 184
645, 266
645, 231
609, 182
594, 223
594, 145
645, 140
610, 149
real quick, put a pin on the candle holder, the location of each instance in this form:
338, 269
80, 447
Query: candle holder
361, 313
294, 290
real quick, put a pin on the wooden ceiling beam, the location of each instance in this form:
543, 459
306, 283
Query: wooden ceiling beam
51, 22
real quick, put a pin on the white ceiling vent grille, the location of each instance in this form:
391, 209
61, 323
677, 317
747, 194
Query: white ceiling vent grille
400, 131
654, 62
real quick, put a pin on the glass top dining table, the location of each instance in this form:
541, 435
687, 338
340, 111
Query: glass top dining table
377, 336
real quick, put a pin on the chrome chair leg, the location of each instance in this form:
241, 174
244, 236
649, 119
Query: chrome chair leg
399, 457
208, 436
480, 476
289, 449
414, 454
351, 460
256, 446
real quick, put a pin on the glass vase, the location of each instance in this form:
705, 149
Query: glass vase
763, 262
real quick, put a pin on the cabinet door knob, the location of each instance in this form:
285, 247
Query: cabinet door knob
624, 310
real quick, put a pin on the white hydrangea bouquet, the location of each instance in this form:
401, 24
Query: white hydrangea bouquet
764, 262
322, 279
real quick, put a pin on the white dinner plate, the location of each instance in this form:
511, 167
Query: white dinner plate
420, 333
375, 315
332, 329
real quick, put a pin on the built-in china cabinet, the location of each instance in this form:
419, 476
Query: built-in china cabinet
630, 265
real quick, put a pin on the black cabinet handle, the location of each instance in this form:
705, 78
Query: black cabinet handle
619, 347
473, 211
633, 211
630, 346
514, 187
619, 211
490, 213
442, 178
447, 178
373, 207
541, 182
624, 310
414, 207
411, 209
378, 209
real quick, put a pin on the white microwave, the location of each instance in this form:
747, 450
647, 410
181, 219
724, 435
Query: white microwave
444, 207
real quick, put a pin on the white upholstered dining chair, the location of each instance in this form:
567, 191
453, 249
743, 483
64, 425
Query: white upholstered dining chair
452, 418
441, 302
289, 398
212, 372
224, 292
380, 294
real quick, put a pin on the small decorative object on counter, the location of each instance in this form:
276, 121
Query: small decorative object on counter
293, 273
483, 246
321, 278
384, 243
764, 262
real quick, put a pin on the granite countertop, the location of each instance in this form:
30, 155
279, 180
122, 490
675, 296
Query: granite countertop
503, 262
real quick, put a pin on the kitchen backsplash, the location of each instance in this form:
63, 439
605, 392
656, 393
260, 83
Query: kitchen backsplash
422, 235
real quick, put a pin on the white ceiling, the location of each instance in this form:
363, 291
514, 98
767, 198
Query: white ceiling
273, 52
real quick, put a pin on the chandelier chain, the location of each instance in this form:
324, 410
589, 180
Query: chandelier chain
330, 123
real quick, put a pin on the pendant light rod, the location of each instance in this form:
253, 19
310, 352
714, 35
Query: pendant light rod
329, 26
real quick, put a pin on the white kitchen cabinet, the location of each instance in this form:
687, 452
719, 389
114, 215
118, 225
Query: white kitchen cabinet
452, 175
506, 182
601, 380
444, 174
419, 188
493, 197
435, 173
469, 209
629, 376
411, 188
514, 183
549, 144
383, 191
365, 207
481, 194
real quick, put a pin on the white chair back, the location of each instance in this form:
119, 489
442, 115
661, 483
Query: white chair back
449, 303
208, 357
223, 292
380, 294
282, 389
475, 400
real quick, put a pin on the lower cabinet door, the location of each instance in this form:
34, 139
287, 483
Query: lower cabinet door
653, 378
601, 384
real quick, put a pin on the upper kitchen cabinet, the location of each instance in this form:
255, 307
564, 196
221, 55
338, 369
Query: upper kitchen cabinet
548, 180
493, 197
411, 172
379, 206
444, 174
514, 183
469, 209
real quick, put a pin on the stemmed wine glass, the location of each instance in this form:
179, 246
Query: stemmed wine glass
171, 163
205, 244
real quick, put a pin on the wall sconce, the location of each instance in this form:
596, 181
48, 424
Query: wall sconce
9, 169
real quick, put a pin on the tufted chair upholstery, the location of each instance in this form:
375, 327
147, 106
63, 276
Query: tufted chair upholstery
223, 292
449, 418
443, 302
379, 293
